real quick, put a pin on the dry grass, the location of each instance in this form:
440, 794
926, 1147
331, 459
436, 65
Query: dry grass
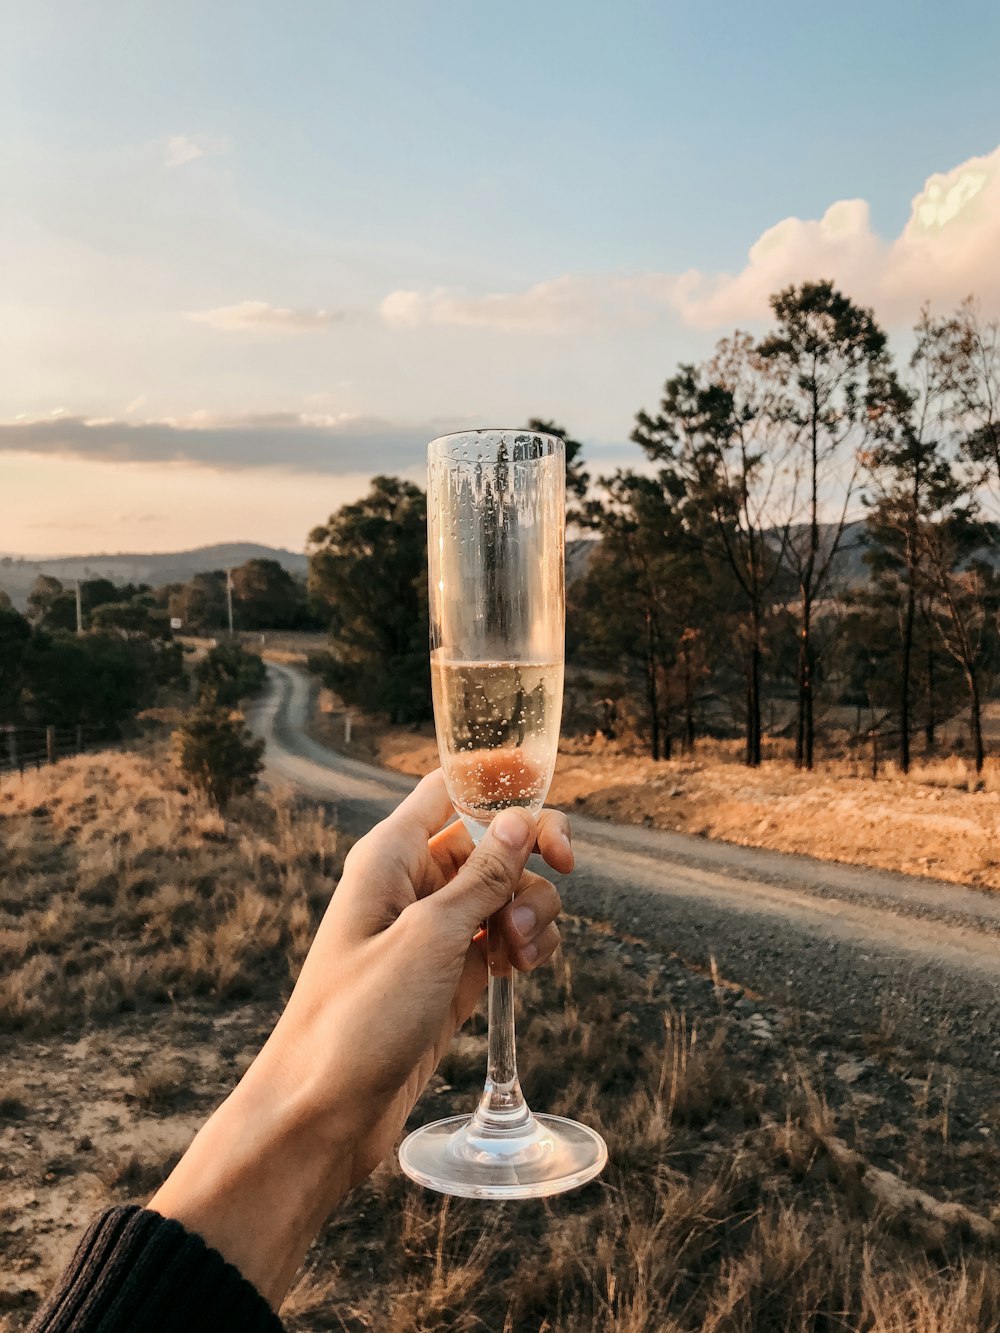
722, 1211
751, 1190
121, 887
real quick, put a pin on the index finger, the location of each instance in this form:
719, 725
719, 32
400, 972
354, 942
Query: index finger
452, 847
555, 840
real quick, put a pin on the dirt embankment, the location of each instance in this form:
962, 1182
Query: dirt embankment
938, 821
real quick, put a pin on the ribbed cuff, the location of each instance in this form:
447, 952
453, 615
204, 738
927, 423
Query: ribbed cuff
135, 1270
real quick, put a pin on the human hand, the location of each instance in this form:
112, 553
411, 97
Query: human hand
396, 967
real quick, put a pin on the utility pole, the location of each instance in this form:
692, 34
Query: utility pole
79, 609
229, 599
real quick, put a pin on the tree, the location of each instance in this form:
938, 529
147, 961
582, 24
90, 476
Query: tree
131, 620
968, 592
368, 576
267, 597
216, 750
98, 592
228, 674
43, 592
200, 604
971, 354
912, 489
15, 633
830, 356
637, 607
577, 479
50, 605
146, 630
95, 680
720, 426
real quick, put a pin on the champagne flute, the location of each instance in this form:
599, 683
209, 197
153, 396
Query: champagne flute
496, 539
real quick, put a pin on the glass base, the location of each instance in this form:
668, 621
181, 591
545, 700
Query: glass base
546, 1155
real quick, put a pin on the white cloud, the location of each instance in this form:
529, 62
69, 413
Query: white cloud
180, 149
572, 303
948, 248
260, 317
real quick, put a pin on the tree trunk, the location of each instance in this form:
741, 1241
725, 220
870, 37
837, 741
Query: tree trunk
666, 730
804, 738
753, 746
651, 692
976, 721
904, 683
930, 721
688, 699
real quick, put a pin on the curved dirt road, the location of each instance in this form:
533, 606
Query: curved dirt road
914, 960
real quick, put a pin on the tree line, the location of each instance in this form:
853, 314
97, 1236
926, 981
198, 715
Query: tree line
809, 536
51, 675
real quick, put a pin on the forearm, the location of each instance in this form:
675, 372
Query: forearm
259, 1180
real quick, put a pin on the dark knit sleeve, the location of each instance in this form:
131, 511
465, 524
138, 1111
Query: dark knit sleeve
135, 1270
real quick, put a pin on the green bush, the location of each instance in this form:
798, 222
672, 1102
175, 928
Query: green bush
217, 752
229, 673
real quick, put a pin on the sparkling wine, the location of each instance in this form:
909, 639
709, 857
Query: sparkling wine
498, 732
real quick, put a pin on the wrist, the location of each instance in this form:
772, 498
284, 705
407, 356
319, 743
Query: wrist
259, 1179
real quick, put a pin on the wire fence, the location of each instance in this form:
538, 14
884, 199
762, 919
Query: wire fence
31, 747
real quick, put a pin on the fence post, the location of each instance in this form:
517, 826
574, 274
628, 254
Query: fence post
79, 738
50, 743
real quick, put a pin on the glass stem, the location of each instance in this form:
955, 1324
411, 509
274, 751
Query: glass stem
502, 1108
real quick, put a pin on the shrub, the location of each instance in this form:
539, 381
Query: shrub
230, 673
216, 750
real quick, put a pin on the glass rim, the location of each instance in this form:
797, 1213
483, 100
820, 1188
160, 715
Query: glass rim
437, 448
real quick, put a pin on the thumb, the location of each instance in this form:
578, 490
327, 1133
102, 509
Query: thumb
489, 877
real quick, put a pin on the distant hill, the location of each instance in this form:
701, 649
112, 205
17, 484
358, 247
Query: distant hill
17, 573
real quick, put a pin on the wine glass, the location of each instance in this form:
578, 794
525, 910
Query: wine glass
496, 544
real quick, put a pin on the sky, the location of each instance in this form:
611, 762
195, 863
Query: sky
252, 254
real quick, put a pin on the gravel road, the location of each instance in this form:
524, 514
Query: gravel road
914, 960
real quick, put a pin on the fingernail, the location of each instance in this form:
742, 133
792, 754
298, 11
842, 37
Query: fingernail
523, 919
569, 843
511, 827
529, 953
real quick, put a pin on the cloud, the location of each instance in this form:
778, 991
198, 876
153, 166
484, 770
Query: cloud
260, 317
572, 303
947, 249
180, 149
286, 440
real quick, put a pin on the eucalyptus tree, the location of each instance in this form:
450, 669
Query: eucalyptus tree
969, 348
911, 487
368, 580
722, 427
830, 358
640, 606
